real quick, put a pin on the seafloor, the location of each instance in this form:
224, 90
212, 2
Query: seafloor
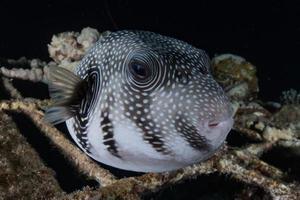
260, 160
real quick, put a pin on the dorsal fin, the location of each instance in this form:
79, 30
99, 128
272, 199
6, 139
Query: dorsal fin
67, 91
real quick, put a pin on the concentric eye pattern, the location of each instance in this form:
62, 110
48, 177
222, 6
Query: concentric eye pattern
91, 100
144, 71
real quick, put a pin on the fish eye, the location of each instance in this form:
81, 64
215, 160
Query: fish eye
139, 69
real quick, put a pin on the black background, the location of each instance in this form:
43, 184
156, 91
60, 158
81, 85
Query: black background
266, 33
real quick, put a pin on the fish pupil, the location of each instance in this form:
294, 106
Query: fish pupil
139, 69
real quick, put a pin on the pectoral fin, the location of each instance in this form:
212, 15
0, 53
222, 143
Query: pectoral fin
67, 91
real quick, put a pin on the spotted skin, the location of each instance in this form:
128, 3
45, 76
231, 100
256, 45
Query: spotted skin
174, 116
108, 134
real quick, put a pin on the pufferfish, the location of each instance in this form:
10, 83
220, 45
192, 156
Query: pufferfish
143, 102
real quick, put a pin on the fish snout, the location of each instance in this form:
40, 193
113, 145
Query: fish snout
225, 114
220, 122
218, 126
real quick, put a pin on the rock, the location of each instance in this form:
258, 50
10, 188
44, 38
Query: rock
288, 117
240, 91
237, 75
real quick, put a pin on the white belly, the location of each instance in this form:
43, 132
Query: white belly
135, 154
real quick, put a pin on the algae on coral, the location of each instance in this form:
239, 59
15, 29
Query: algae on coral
23, 174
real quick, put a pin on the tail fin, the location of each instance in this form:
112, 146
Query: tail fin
67, 90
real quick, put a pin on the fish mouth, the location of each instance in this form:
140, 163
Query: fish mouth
213, 124
215, 131
217, 123
219, 129
225, 119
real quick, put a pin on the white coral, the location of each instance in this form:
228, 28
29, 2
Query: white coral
68, 47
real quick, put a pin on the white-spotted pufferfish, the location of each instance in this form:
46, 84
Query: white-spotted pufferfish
141, 101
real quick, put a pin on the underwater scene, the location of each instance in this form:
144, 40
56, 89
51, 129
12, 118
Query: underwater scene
151, 100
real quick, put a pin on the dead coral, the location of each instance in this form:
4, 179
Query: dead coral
67, 48
242, 164
22, 173
14, 93
237, 75
34, 74
79, 159
287, 115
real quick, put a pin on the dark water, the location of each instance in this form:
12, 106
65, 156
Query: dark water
266, 34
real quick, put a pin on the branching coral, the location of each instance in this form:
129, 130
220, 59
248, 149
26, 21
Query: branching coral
243, 164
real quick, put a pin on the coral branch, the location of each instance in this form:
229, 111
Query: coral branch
259, 149
23, 174
34, 74
275, 188
250, 161
295, 143
247, 132
79, 159
14, 93
228, 164
134, 188
240, 164
268, 130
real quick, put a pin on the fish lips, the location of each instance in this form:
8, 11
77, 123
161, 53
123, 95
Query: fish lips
215, 131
